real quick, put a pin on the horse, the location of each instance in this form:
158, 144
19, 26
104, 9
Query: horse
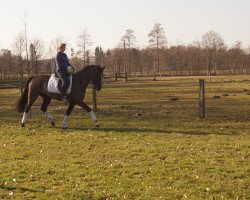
37, 86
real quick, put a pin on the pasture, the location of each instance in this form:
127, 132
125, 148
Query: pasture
148, 146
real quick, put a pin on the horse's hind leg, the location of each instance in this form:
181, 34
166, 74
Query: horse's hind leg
31, 99
44, 108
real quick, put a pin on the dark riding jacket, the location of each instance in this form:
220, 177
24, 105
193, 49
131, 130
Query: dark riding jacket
62, 61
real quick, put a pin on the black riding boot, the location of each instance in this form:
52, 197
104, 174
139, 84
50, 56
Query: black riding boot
64, 77
63, 97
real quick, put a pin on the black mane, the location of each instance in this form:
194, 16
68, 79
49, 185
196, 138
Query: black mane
89, 67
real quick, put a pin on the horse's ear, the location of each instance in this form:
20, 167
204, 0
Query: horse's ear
103, 67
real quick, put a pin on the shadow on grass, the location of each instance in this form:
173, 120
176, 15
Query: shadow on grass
23, 189
147, 130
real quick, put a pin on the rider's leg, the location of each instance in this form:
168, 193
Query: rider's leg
63, 76
65, 85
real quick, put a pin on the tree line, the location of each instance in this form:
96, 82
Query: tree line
208, 56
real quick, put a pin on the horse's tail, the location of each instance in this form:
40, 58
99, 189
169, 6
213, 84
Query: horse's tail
23, 99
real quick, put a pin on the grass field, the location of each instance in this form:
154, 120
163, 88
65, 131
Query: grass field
148, 146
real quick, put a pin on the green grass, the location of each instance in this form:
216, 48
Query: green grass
148, 147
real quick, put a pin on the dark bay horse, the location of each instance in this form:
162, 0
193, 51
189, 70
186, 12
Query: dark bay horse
37, 86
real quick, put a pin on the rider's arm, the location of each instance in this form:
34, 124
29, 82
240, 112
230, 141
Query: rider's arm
68, 64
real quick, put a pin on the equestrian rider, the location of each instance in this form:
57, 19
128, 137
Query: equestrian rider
63, 68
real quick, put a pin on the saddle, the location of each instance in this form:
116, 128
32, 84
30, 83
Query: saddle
55, 84
59, 85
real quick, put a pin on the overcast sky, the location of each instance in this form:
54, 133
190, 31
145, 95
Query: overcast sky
184, 21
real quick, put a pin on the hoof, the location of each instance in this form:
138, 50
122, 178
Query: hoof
23, 125
53, 123
97, 125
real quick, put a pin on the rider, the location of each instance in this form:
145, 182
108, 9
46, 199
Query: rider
62, 70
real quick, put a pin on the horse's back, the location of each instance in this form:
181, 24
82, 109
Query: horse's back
39, 83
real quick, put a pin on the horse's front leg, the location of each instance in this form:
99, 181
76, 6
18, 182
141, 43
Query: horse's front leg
66, 117
91, 113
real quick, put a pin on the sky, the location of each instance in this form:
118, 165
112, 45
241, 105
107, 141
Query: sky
106, 21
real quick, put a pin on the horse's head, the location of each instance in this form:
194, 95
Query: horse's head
97, 77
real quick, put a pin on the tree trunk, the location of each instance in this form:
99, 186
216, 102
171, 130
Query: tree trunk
209, 68
158, 61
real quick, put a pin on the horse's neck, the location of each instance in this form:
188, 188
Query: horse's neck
84, 79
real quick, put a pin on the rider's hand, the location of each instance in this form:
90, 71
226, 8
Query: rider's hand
70, 69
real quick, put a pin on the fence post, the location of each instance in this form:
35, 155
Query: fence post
94, 98
116, 77
126, 76
201, 98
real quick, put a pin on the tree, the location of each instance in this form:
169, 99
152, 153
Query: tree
72, 53
116, 58
107, 61
211, 42
236, 56
196, 58
129, 38
128, 41
26, 43
33, 57
136, 60
88, 57
19, 48
36, 51
84, 42
147, 59
99, 55
5, 63
39, 46
157, 39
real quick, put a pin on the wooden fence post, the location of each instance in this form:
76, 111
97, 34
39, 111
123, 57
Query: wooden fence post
116, 77
126, 76
201, 98
94, 98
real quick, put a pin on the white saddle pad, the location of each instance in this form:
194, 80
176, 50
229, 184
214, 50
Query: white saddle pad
53, 85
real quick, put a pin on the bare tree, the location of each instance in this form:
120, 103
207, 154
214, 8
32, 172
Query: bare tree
5, 63
39, 46
129, 38
157, 40
26, 43
147, 59
128, 41
18, 49
33, 58
36, 52
211, 42
84, 42
116, 59
236, 55
99, 55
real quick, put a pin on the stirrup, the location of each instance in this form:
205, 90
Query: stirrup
64, 98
